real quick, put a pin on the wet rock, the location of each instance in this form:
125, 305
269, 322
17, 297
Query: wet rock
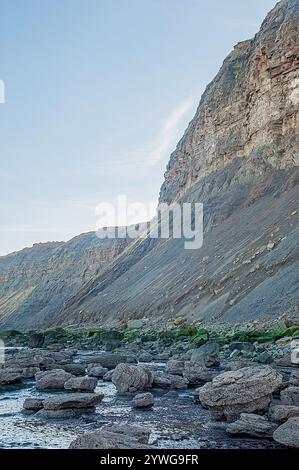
290, 396
10, 376
36, 340
175, 367
196, 374
64, 414
208, 354
52, 380
164, 380
288, 433
246, 390
72, 401
96, 371
131, 378
81, 384
33, 404
143, 400
252, 425
281, 413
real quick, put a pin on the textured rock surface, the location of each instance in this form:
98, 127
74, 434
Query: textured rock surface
81, 384
129, 378
72, 400
288, 433
281, 413
252, 425
290, 396
243, 391
52, 380
143, 400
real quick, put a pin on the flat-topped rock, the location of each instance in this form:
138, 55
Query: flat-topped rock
252, 425
81, 384
52, 380
72, 400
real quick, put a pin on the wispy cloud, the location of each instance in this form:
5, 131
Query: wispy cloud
169, 133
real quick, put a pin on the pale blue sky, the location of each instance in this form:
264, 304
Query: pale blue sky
98, 92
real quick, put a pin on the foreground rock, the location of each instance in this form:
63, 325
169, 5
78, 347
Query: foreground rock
143, 400
33, 404
288, 433
81, 384
290, 396
72, 400
10, 376
281, 413
130, 378
252, 425
113, 437
246, 390
52, 380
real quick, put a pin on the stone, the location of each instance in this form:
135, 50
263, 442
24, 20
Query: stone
33, 404
290, 396
145, 357
52, 380
72, 401
241, 346
164, 380
36, 340
208, 354
246, 390
30, 372
71, 413
139, 433
135, 324
252, 425
96, 371
74, 369
281, 413
288, 433
108, 376
175, 367
196, 374
240, 364
264, 358
81, 384
10, 376
294, 379
111, 360
143, 400
131, 378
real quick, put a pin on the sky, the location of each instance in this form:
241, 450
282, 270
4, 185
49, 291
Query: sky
97, 95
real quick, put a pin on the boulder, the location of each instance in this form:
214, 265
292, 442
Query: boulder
33, 404
281, 413
111, 360
10, 376
241, 346
30, 372
264, 358
145, 357
131, 378
175, 367
139, 433
71, 413
208, 354
196, 374
107, 439
143, 400
72, 401
294, 379
108, 376
239, 364
135, 324
75, 369
288, 433
81, 384
252, 425
36, 340
290, 396
52, 380
164, 380
246, 390
96, 371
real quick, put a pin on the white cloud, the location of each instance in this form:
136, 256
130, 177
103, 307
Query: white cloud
168, 136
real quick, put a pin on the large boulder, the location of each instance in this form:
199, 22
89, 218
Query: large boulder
196, 374
75, 369
72, 401
113, 437
290, 396
252, 425
174, 382
131, 378
207, 355
81, 384
52, 380
246, 390
288, 433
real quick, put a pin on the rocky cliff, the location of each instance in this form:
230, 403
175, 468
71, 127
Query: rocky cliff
239, 156
35, 282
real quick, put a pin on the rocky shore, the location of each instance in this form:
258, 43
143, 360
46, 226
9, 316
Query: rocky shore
187, 387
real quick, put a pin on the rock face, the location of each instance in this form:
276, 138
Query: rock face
35, 282
252, 425
239, 157
246, 390
129, 378
288, 433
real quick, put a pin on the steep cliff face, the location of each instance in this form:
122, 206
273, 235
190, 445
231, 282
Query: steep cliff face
35, 282
239, 157
250, 110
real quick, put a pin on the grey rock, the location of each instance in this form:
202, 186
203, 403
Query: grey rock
106, 439
52, 380
290, 396
281, 413
252, 425
196, 374
10, 376
36, 340
175, 367
72, 401
208, 355
64, 414
264, 358
81, 384
131, 378
164, 380
143, 400
288, 433
96, 371
33, 404
241, 346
